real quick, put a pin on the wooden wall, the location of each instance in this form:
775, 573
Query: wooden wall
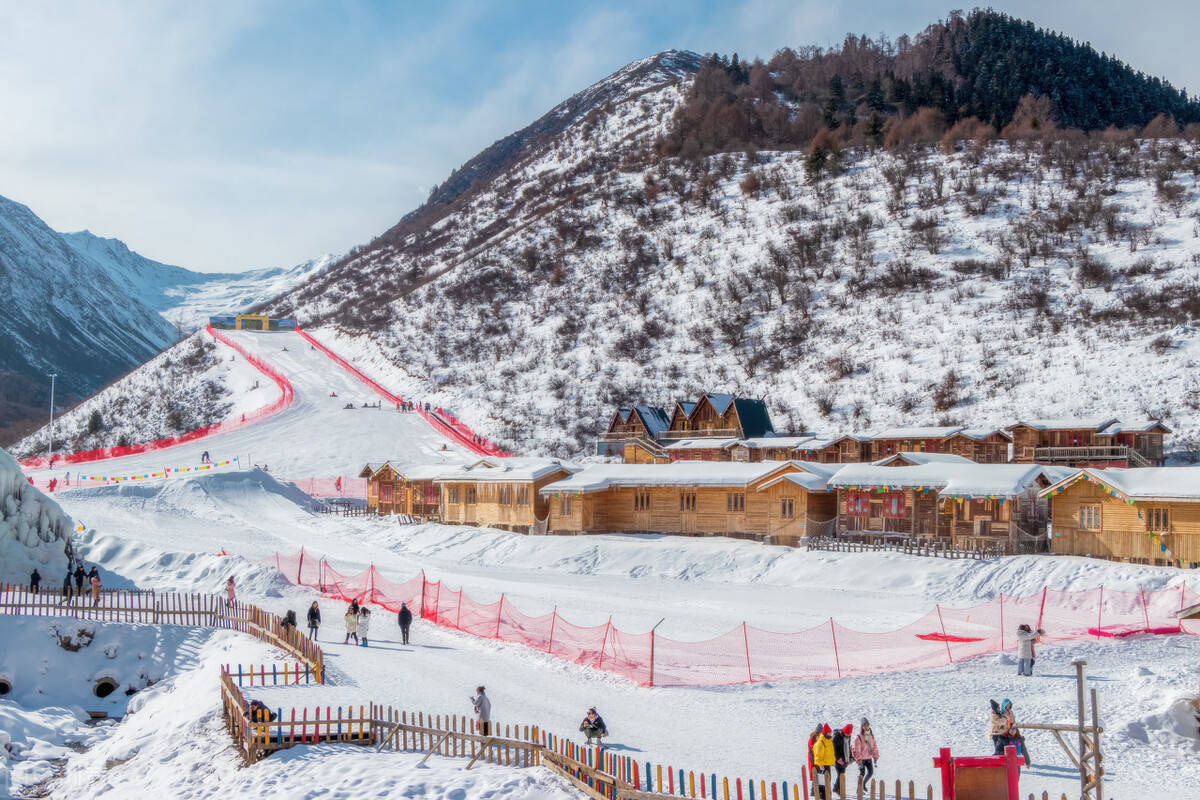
498, 504
1122, 533
990, 450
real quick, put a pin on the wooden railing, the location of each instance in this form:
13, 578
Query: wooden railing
1107, 452
861, 542
710, 433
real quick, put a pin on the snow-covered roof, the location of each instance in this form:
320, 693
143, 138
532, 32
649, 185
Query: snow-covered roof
771, 442
427, 472
599, 477
917, 433
507, 470
1140, 483
1083, 424
1122, 427
805, 480
905, 456
702, 444
951, 479
983, 433
821, 442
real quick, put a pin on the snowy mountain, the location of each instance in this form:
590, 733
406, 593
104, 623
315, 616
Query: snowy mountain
90, 309
976, 283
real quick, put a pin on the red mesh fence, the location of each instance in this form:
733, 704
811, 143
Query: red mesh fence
746, 654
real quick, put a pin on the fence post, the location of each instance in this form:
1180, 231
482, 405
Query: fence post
499, 614
1042, 609
1100, 613
746, 641
836, 660
1002, 621
604, 642
944, 638
458, 613
421, 613
1145, 608
300, 568
554, 618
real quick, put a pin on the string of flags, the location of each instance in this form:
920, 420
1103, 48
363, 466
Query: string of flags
166, 472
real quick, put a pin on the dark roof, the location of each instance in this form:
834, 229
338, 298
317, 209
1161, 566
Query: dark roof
753, 415
654, 418
686, 406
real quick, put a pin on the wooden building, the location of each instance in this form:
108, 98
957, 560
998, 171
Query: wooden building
1149, 515
1098, 442
692, 431
746, 500
981, 445
955, 500
847, 449
500, 492
634, 433
404, 489
914, 440
766, 448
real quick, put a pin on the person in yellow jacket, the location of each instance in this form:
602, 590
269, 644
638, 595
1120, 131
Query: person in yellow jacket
823, 760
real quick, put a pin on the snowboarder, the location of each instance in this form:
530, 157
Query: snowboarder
35, 580
95, 578
823, 761
364, 625
843, 752
1026, 638
405, 620
593, 726
483, 710
230, 592
351, 620
79, 576
865, 751
314, 620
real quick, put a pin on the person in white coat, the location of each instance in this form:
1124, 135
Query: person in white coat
1026, 637
351, 620
483, 711
364, 625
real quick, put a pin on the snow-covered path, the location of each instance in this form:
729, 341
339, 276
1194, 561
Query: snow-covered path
316, 436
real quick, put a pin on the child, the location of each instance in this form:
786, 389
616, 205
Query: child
364, 625
351, 620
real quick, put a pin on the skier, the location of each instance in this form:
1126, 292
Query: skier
364, 625
1026, 638
843, 752
593, 726
483, 711
230, 592
823, 762
865, 751
35, 580
405, 620
95, 579
314, 620
351, 620
79, 576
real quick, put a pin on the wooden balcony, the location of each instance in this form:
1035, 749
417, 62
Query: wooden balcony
1070, 456
704, 433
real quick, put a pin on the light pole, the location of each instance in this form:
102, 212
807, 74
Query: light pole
50, 444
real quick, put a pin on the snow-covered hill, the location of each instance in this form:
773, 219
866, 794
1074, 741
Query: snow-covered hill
1032, 277
34, 531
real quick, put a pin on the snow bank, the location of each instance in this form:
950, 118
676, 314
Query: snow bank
34, 531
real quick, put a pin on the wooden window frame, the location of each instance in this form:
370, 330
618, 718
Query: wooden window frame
386, 491
564, 505
735, 502
894, 506
452, 494
1090, 518
787, 508
470, 496
858, 504
1157, 518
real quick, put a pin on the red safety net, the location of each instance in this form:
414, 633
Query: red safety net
343, 486
286, 396
747, 654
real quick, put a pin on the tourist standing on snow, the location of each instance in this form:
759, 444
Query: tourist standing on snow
351, 620
865, 751
364, 625
95, 579
483, 710
843, 753
823, 761
405, 620
812, 740
314, 620
593, 726
79, 576
1025, 654
66, 587
35, 580
230, 592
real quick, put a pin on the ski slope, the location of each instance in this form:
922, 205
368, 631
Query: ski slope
316, 436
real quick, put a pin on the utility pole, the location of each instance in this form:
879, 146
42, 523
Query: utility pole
50, 444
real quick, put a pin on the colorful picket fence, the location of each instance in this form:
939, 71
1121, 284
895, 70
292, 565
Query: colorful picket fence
295, 673
747, 654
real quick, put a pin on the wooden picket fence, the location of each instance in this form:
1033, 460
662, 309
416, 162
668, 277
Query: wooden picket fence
285, 674
167, 608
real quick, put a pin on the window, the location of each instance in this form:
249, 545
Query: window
452, 494
385, 492
564, 504
735, 502
787, 508
687, 501
893, 504
1089, 518
523, 496
641, 500
858, 504
1157, 519
505, 496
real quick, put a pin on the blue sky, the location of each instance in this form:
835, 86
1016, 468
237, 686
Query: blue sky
233, 135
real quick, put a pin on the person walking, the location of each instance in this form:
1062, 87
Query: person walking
812, 740
843, 753
404, 617
1026, 638
230, 592
35, 580
66, 587
314, 620
865, 751
351, 620
364, 625
593, 726
79, 575
95, 579
824, 760
483, 710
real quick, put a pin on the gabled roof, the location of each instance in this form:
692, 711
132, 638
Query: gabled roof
623, 414
772, 442
1121, 427
918, 433
821, 443
905, 457
982, 433
653, 418
950, 479
753, 416
366, 472
1085, 424
1139, 483
686, 406
720, 402
601, 477
507, 470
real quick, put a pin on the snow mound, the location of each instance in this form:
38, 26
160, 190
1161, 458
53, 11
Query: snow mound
218, 496
34, 530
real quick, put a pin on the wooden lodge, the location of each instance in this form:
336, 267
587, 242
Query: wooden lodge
1099, 442
500, 492
404, 489
692, 431
1148, 515
983, 446
848, 449
756, 500
944, 498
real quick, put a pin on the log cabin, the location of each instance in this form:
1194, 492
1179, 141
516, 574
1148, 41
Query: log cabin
722, 416
913, 440
847, 449
1098, 442
1149, 514
906, 459
981, 445
404, 489
633, 434
766, 448
779, 500
500, 492
961, 502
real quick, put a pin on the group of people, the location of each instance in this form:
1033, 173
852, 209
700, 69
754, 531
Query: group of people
91, 578
1004, 731
831, 753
